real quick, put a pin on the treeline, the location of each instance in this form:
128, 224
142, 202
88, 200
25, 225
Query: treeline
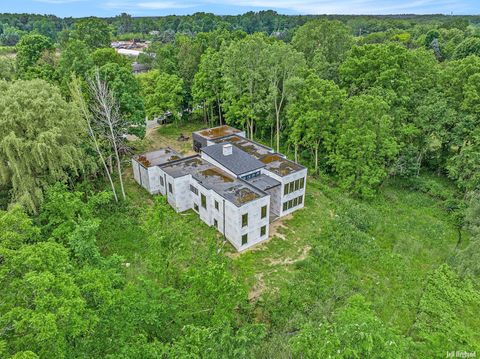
14, 26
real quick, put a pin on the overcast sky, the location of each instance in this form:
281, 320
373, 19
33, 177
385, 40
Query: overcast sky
79, 8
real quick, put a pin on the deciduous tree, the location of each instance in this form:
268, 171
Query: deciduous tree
314, 115
285, 76
93, 31
246, 91
30, 50
324, 44
41, 137
365, 145
162, 93
126, 90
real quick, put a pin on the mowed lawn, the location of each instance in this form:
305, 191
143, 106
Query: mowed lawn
405, 235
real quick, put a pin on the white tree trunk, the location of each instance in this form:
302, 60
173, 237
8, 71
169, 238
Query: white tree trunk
78, 96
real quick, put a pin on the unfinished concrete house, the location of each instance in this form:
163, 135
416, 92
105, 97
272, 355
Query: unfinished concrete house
234, 184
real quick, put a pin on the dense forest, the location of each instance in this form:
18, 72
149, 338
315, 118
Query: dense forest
384, 111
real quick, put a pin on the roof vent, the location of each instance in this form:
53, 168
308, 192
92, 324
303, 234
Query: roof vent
227, 149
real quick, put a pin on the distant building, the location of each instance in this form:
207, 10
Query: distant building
138, 68
234, 184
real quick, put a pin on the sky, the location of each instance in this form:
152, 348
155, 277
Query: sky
105, 8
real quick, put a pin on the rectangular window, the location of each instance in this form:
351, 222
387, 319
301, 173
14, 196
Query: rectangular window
244, 219
195, 207
264, 211
284, 206
216, 205
204, 201
290, 204
170, 189
291, 185
297, 184
285, 189
215, 223
302, 182
194, 189
300, 200
161, 181
244, 239
295, 202
263, 231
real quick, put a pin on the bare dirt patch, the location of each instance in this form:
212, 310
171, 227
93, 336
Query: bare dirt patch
276, 226
303, 252
258, 288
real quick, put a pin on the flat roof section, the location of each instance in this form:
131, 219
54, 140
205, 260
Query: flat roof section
158, 157
238, 161
252, 148
263, 182
279, 165
216, 132
211, 177
186, 166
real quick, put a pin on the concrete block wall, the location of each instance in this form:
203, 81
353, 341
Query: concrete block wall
182, 194
286, 197
154, 179
136, 171
147, 177
275, 200
234, 229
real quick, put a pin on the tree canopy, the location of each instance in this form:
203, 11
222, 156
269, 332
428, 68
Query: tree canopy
41, 139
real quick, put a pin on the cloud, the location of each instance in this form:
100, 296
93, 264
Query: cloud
347, 6
162, 5
148, 5
58, 2
367, 7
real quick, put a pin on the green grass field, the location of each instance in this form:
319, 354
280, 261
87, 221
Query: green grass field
383, 249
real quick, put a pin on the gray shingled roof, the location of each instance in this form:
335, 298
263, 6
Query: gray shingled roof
253, 148
238, 162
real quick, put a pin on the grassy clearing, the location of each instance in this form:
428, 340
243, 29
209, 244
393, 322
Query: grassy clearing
398, 239
7, 51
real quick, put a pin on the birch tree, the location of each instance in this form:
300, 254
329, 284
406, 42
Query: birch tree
78, 97
106, 112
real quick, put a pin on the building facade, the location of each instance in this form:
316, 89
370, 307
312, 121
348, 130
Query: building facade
234, 184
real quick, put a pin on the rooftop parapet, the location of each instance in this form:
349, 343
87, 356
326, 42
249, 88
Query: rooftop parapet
217, 132
158, 157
